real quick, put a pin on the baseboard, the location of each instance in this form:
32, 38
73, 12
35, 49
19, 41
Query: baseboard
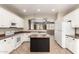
69, 51
58, 44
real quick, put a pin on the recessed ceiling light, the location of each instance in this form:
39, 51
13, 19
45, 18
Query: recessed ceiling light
24, 10
38, 10
53, 10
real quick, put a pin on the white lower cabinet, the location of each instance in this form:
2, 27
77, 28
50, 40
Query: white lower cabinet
77, 46
13, 42
72, 44
18, 41
6, 45
25, 37
3, 46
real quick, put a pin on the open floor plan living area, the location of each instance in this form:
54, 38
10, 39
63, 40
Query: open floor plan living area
39, 29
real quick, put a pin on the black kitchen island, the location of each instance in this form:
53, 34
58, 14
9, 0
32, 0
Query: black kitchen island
39, 44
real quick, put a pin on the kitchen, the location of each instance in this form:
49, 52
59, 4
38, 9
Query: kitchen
39, 28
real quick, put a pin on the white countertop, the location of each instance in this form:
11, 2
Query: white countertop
44, 35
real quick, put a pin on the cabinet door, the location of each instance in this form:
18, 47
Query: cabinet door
2, 47
5, 46
4, 18
20, 22
9, 46
25, 37
70, 44
76, 46
75, 21
75, 18
67, 43
13, 18
13, 42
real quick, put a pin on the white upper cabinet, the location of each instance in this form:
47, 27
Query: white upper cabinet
20, 23
9, 19
4, 18
72, 44
74, 17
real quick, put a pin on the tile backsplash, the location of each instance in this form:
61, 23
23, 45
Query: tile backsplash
77, 31
2, 31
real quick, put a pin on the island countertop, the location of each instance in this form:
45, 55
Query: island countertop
40, 36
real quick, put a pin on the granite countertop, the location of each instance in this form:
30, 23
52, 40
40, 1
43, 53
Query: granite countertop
71, 36
40, 35
2, 36
22, 32
76, 36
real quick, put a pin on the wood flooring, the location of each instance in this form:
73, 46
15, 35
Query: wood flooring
54, 49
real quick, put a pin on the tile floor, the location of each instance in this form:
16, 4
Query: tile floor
55, 49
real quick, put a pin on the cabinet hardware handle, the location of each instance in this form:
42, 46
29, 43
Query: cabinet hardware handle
4, 40
73, 39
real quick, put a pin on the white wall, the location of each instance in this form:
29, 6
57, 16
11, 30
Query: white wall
60, 15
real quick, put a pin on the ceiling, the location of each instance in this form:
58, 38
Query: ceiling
45, 9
